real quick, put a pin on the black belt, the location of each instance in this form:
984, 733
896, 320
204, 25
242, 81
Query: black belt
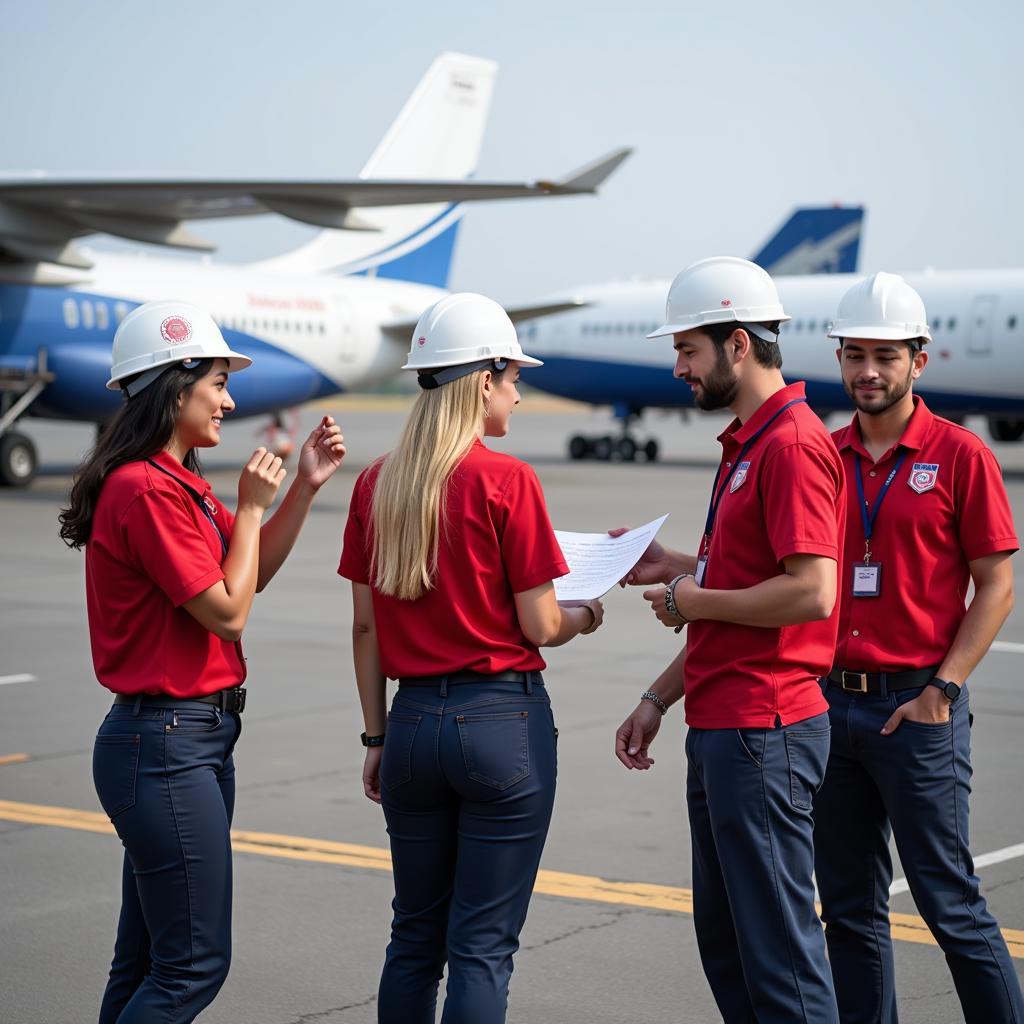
231, 699
473, 677
877, 682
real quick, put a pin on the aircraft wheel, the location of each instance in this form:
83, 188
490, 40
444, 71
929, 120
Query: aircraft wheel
18, 460
603, 447
1005, 429
651, 450
578, 447
627, 449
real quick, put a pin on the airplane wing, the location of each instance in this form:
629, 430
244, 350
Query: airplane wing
40, 216
400, 330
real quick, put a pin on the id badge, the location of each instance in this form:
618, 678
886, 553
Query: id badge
867, 579
702, 564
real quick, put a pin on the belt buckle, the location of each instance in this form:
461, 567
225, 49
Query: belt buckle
862, 681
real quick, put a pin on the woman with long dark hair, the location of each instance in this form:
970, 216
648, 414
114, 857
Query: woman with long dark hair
170, 579
451, 556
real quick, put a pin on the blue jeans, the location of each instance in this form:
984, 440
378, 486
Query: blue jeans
749, 793
914, 783
166, 778
467, 786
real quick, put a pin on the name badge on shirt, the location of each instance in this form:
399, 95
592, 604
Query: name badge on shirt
702, 564
867, 579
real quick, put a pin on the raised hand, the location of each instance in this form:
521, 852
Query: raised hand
321, 454
260, 480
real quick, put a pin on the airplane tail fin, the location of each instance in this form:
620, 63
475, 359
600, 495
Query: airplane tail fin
436, 136
815, 240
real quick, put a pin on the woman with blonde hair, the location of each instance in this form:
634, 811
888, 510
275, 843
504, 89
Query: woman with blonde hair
451, 556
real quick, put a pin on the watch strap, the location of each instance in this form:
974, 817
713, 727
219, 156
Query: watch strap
949, 689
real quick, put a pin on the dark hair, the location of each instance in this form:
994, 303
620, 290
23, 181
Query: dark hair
767, 353
142, 427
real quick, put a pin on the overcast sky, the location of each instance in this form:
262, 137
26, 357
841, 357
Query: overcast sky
738, 111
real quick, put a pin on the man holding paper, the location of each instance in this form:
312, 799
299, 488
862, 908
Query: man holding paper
760, 601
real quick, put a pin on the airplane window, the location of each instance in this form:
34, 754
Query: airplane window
277, 325
87, 320
951, 322
811, 324
102, 322
120, 311
309, 327
1011, 322
936, 324
70, 313
323, 329
798, 325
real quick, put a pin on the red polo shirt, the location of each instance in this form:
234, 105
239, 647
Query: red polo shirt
152, 549
498, 543
946, 507
786, 501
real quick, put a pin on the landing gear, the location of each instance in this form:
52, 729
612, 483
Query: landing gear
18, 460
605, 448
1005, 428
20, 385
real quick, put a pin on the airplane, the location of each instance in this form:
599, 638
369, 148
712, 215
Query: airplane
598, 353
333, 315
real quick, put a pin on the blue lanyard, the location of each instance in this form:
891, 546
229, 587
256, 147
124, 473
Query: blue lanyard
718, 493
868, 519
200, 501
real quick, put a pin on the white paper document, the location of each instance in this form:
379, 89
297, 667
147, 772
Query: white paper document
597, 562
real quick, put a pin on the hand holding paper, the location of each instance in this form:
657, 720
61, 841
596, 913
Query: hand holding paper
597, 561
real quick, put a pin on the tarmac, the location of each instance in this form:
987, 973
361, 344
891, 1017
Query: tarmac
610, 934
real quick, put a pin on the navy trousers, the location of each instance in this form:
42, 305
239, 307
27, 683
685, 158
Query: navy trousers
749, 793
914, 783
166, 778
467, 786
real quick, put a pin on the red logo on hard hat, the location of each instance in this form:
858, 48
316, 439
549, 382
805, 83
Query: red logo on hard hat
726, 302
175, 329
421, 341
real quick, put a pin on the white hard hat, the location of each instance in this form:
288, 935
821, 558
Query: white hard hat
156, 334
719, 290
466, 332
883, 307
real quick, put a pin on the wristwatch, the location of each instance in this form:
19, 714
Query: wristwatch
372, 741
951, 690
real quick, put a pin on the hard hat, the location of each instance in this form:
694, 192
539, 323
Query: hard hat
720, 290
461, 333
156, 334
883, 307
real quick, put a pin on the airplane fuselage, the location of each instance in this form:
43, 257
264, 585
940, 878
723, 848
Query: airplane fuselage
599, 354
308, 336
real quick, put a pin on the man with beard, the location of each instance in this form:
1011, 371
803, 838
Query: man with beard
926, 514
760, 601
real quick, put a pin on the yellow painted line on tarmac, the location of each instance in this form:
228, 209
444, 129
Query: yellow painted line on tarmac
588, 888
14, 758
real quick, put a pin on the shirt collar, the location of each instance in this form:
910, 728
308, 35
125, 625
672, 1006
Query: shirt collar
913, 437
740, 433
171, 465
